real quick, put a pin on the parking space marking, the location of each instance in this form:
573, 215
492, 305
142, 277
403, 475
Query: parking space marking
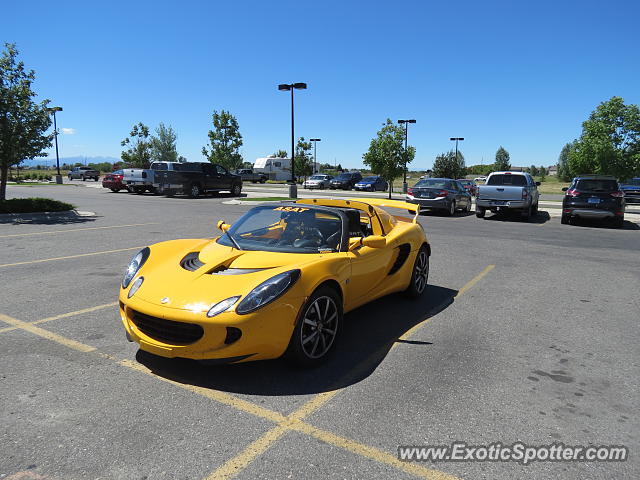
70, 256
474, 280
41, 332
292, 422
65, 315
75, 230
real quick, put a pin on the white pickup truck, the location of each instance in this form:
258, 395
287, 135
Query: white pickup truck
139, 180
508, 191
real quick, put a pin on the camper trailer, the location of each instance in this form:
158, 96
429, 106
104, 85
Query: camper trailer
274, 167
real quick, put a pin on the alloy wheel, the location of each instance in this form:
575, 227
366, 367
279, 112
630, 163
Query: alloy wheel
319, 327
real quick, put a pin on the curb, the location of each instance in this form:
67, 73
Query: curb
26, 217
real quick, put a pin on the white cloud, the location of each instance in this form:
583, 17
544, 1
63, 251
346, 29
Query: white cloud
68, 131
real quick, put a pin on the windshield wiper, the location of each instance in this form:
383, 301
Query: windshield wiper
235, 242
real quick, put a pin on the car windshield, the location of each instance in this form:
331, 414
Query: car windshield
633, 181
369, 179
465, 182
317, 177
596, 185
286, 228
344, 176
508, 180
434, 183
118, 172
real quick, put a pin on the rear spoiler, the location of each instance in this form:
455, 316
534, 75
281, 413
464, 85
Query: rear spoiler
380, 202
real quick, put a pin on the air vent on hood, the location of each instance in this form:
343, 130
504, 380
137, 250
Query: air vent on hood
191, 262
222, 270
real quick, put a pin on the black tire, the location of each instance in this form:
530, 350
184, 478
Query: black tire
264, 180
419, 274
236, 190
618, 222
195, 190
70, 177
115, 190
480, 212
467, 209
526, 214
452, 209
310, 334
84, 178
96, 178
254, 181
139, 190
565, 219
535, 210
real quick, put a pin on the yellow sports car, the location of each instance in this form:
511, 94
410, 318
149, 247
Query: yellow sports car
277, 282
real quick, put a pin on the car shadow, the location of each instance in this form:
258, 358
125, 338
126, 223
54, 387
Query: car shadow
368, 334
542, 217
48, 220
592, 223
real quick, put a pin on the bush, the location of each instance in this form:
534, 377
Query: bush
31, 205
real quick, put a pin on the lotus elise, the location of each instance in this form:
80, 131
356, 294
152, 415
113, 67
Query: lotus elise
276, 282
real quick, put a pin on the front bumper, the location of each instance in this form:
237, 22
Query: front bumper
264, 334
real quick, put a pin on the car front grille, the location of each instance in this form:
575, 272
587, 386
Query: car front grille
167, 331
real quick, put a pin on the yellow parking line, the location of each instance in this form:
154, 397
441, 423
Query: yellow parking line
67, 342
75, 230
65, 315
70, 256
475, 280
292, 422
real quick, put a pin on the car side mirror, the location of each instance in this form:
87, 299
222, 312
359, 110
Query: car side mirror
223, 226
537, 184
374, 241
564, 189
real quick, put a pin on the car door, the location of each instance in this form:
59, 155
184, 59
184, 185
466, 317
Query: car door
223, 178
209, 176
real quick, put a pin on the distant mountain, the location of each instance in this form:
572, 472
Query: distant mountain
68, 160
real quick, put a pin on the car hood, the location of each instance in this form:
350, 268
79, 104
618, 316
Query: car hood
221, 272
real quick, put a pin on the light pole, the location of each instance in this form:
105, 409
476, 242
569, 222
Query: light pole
55, 130
315, 157
406, 135
456, 139
293, 188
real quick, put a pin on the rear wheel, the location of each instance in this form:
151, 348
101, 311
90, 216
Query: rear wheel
618, 222
467, 209
420, 274
526, 213
96, 178
84, 178
565, 219
480, 212
452, 209
115, 190
235, 190
317, 329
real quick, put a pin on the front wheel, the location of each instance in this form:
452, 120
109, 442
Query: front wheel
115, 190
96, 178
480, 212
194, 191
420, 275
84, 178
318, 327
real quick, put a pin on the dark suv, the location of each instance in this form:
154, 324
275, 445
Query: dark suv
345, 180
596, 197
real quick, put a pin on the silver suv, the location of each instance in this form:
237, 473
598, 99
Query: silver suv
84, 173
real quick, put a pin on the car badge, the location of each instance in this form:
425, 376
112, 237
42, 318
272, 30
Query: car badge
165, 300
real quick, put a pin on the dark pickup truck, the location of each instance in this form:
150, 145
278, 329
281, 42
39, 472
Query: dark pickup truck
248, 175
195, 179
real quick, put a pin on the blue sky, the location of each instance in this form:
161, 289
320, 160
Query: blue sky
524, 75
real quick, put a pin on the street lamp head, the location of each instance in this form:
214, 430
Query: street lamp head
54, 109
284, 86
315, 139
456, 138
300, 86
411, 121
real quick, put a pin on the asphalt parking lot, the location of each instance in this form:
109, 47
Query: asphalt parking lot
527, 332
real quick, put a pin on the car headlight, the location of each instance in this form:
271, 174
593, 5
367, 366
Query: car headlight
267, 291
134, 265
222, 306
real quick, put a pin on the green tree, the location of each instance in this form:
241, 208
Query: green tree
542, 173
387, 156
610, 141
564, 170
304, 167
281, 154
163, 144
224, 141
23, 122
533, 170
446, 165
502, 162
139, 152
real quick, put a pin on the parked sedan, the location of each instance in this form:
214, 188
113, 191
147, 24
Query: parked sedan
319, 180
631, 189
596, 197
83, 173
113, 181
372, 184
346, 180
443, 194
